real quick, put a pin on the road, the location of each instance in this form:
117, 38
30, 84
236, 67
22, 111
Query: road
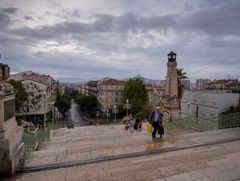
76, 116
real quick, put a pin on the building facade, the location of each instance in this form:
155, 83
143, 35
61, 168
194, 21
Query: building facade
207, 104
91, 88
202, 83
229, 85
186, 83
110, 93
42, 92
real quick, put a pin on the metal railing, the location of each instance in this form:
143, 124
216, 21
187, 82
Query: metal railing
32, 138
203, 124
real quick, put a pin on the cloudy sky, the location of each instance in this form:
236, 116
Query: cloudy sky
76, 40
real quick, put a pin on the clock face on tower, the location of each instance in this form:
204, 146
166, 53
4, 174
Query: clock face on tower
169, 56
174, 56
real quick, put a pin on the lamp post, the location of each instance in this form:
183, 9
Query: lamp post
97, 114
44, 110
128, 106
107, 115
188, 105
115, 112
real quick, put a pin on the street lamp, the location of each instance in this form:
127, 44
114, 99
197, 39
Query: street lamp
107, 115
97, 114
44, 110
188, 105
128, 106
115, 112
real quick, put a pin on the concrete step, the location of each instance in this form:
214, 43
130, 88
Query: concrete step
114, 142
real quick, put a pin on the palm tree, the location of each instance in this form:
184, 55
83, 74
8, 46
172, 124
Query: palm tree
180, 76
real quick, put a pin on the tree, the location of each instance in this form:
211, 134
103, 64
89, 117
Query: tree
63, 103
180, 76
135, 91
21, 94
87, 102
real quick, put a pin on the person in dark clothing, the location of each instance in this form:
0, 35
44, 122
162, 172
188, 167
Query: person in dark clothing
156, 120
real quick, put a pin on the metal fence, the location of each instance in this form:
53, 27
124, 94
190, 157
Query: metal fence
201, 124
33, 138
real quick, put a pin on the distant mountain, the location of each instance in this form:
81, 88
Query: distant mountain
146, 80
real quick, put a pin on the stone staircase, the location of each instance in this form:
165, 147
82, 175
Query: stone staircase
212, 162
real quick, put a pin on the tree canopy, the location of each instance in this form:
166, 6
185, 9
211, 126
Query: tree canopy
135, 91
63, 103
181, 76
87, 102
21, 94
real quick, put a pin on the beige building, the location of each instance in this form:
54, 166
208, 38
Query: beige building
91, 88
110, 93
151, 95
230, 85
202, 83
186, 83
158, 95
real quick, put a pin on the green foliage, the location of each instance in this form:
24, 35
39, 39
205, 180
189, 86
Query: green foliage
21, 94
70, 92
87, 102
121, 111
135, 91
145, 111
180, 76
63, 103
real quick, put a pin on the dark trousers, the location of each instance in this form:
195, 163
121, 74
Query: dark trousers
155, 125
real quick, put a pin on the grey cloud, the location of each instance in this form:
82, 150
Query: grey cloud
5, 20
104, 23
28, 17
10, 10
202, 40
222, 20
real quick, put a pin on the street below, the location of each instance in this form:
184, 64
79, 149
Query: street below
76, 116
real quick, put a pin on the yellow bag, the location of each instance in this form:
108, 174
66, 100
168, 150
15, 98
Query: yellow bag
149, 127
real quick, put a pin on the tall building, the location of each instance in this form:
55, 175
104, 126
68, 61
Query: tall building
91, 88
42, 93
110, 93
186, 84
201, 84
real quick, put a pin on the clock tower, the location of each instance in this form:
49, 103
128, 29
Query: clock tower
171, 101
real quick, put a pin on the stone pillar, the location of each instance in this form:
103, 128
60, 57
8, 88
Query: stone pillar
11, 146
171, 101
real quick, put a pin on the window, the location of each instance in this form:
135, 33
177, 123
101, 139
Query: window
9, 109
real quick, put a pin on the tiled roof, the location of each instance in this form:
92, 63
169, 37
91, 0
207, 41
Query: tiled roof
112, 82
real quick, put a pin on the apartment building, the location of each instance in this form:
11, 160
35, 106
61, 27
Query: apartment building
42, 93
202, 83
110, 93
186, 84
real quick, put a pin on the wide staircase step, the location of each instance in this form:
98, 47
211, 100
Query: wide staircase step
66, 146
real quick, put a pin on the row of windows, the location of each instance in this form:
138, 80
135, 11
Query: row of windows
114, 100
